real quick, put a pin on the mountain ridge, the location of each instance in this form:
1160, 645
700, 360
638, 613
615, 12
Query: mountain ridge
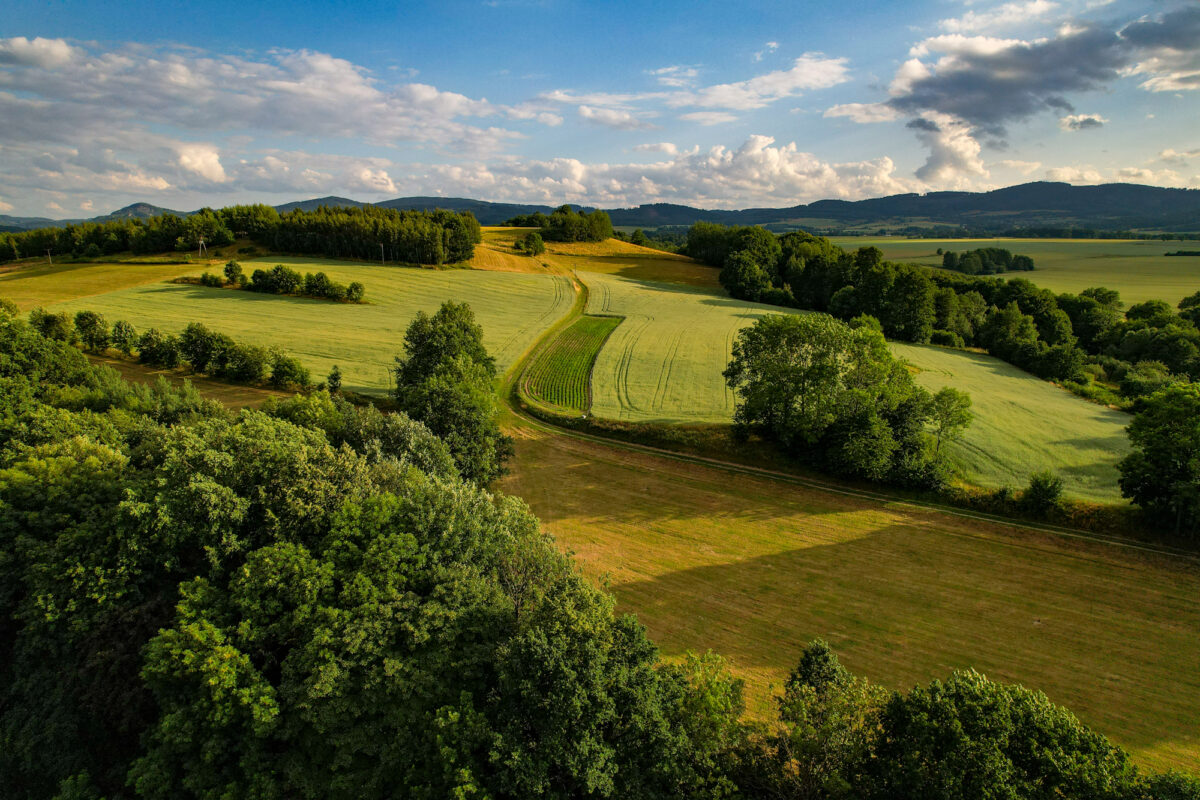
1112, 206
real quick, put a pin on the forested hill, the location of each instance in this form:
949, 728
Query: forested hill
1109, 207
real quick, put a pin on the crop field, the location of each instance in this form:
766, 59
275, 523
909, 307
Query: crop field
1139, 270
611, 257
35, 285
560, 375
664, 364
361, 339
755, 568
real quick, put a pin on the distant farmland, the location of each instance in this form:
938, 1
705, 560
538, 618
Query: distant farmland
1139, 270
664, 364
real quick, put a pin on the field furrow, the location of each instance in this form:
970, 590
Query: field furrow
560, 375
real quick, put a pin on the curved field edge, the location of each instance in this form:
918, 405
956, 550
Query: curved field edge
560, 377
665, 364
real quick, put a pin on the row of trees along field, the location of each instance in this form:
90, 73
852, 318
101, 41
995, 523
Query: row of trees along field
308, 601
285, 280
370, 233
1089, 341
565, 224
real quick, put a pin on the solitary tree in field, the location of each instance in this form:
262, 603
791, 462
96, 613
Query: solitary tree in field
334, 381
949, 415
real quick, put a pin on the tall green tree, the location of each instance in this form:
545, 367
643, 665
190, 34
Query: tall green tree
1162, 473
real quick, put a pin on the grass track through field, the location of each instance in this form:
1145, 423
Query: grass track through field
560, 375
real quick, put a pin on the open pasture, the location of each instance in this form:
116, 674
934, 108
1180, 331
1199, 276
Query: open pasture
754, 569
361, 339
39, 284
560, 375
664, 364
1138, 269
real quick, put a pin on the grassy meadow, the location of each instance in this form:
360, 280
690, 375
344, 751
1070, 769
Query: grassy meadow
754, 569
664, 364
40, 284
560, 375
1138, 269
362, 339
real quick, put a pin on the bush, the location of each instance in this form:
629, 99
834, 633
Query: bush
287, 371
947, 339
53, 326
124, 336
234, 274
1044, 493
93, 330
8, 308
355, 292
208, 279
245, 363
158, 349
533, 244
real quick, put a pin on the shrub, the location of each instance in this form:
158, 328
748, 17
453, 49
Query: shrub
124, 336
1044, 493
288, 371
947, 339
246, 363
93, 330
208, 279
355, 292
334, 381
233, 273
533, 244
158, 349
53, 326
8, 308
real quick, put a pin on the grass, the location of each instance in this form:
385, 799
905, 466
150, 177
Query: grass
559, 377
754, 569
1139, 270
664, 364
32, 285
361, 339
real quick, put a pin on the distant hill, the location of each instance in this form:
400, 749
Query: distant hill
1113, 206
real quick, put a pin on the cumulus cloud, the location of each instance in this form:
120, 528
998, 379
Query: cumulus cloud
87, 205
5, 206
39, 52
1171, 156
864, 112
203, 160
768, 48
614, 118
675, 76
1081, 122
1006, 16
953, 153
657, 147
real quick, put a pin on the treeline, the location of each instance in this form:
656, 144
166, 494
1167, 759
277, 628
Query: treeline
1184, 253
1087, 340
369, 233
985, 261
1041, 232
203, 351
285, 280
565, 224
306, 601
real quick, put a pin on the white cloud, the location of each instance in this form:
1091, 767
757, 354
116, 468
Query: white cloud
1023, 167
657, 147
864, 112
53, 206
1075, 175
203, 160
1006, 16
44, 53
87, 205
953, 160
1172, 156
613, 118
768, 48
675, 76
1151, 177
709, 117
1081, 122
809, 71
376, 180
5, 206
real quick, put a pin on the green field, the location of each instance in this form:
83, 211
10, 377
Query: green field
1139, 270
755, 569
363, 339
560, 375
42, 284
664, 364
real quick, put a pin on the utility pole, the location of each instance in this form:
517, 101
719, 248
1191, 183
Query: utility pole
381, 259
203, 249
49, 257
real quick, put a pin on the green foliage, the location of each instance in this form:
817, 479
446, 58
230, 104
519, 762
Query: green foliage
212, 281
444, 379
568, 225
560, 375
334, 381
124, 336
1043, 495
234, 274
93, 331
58, 326
8, 308
355, 292
985, 261
1162, 474
833, 393
532, 244
288, 373
277, 280
158, 349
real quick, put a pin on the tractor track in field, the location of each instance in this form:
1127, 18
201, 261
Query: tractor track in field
513, 396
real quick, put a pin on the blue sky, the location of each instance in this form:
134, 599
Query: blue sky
719, 105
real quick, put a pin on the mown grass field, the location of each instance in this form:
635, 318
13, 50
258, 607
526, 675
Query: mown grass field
361, 339
664, 364
32, 285
559, 377
754, 569
1137, 269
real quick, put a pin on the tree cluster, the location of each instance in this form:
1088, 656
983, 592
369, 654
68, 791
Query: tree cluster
832, 394
985, 261
369, 233
285, 280
305, 601
444, 379
565, 224
203, 351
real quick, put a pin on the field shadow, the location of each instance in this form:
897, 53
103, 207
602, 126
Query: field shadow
192, 292
901, 612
